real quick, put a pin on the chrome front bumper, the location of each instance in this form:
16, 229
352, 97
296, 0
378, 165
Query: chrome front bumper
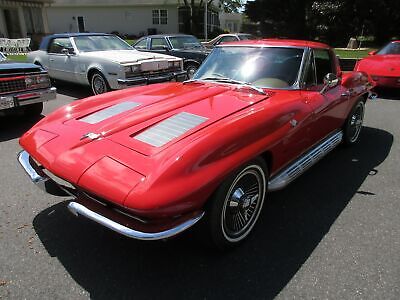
99, 213
143, 80
27, 97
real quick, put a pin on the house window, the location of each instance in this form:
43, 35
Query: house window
160, 16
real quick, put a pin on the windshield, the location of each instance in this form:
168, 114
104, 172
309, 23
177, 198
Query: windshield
100, 43
391, 48
243, 37
184, 42
262, 67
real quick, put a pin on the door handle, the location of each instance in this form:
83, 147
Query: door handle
346, 94
51, 59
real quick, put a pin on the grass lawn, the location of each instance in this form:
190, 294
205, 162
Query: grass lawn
18, 58
355, 54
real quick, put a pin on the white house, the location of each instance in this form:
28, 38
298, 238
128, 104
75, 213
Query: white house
231, 22
132, 17
23, 18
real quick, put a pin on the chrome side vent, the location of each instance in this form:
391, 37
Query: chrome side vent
301, 165
169, 129
109, 112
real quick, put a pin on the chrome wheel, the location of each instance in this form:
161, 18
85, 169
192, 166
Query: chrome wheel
243, 203
191, 70
99, 84
356, 122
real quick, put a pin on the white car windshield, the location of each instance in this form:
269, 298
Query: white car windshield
272, 67
90, 43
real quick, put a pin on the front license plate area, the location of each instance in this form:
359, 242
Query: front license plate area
6, 102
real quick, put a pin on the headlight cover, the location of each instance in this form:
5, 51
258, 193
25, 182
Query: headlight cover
131, 70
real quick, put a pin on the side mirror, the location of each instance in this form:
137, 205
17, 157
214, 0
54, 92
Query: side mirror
372, 52
330, 80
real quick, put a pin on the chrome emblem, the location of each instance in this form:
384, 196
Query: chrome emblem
293, 123
90, 135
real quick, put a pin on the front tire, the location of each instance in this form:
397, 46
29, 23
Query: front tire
99, 83
354, 123
191, 70
236, 205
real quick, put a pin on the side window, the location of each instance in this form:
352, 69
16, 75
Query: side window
323, 64
227, 39
158, 43
57, 45
142, 44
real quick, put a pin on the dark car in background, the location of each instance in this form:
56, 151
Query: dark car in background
187, 47
23, 87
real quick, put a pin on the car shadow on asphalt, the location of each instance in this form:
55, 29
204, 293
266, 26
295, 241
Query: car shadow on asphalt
388, 94
292, 224
15, 125
72, 90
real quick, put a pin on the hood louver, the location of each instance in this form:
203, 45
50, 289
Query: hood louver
169, 129
109, 112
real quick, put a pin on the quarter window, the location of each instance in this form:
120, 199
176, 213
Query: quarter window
160, 16
142, 44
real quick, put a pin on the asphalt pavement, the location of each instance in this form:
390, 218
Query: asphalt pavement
332, 234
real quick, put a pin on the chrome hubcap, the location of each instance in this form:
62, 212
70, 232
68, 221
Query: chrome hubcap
99, 86
356, 122
191, 72
243, 203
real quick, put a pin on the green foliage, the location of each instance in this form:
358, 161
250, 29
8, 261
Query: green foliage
332, 21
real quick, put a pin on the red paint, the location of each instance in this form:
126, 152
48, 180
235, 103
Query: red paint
179, 177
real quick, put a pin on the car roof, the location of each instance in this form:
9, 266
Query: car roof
166, 35
47, 38
278, 42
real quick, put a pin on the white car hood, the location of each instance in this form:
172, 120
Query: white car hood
126, 56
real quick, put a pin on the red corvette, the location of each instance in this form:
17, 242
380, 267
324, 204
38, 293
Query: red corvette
150, 162
383, 65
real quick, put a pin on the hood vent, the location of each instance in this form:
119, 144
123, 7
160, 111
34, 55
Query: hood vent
109, 112
169, 129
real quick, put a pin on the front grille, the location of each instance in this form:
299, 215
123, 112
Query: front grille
12, 85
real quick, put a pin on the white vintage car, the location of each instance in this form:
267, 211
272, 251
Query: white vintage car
103, 61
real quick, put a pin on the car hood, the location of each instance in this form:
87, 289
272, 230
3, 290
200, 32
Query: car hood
381, 65
7, 67
115, 135
126, 56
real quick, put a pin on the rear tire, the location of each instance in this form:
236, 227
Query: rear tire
236, 205
99, 83
353, 125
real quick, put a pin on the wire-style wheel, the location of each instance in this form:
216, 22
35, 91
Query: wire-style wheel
237, 204
354, 123
99, 84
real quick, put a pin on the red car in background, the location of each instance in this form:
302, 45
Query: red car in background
149, 162
383, 65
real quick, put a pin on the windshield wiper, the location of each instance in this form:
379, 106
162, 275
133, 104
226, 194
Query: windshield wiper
230, 80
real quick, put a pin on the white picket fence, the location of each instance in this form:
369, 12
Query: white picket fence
14, 46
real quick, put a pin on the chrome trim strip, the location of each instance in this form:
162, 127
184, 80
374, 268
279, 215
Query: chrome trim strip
109, 112
39, 177
169, 129
78, 209
298, 167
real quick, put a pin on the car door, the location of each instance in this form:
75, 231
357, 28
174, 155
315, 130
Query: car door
159, 45
329, 105
61, 65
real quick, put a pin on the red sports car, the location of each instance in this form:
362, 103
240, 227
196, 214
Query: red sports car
383, 65
150, 162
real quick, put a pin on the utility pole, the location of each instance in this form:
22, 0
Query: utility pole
205, 20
